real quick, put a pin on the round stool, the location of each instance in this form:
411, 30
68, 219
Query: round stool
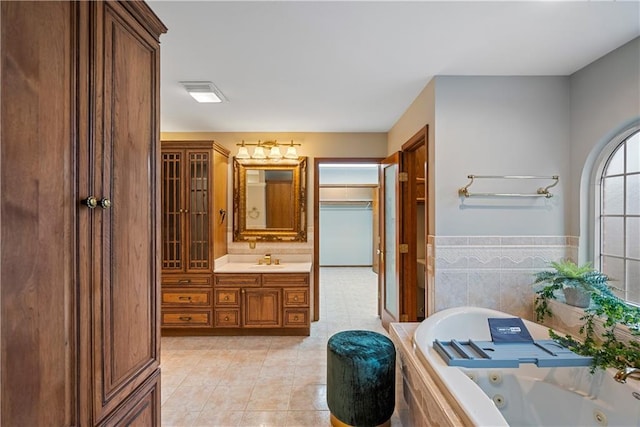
361, 369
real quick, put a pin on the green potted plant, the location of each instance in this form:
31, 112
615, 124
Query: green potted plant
606, 310
577, 282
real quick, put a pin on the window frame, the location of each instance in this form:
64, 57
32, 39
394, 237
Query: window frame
602, 163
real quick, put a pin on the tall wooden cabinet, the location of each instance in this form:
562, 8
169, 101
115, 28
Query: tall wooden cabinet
194, 218
79, 217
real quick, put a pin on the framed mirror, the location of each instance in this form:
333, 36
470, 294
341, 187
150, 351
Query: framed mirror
269, 200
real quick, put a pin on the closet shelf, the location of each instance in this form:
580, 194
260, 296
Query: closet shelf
540, 192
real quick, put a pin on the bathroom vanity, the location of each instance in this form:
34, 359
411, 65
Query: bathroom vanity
205, 290
242, 298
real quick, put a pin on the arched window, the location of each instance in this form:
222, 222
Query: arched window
618, 224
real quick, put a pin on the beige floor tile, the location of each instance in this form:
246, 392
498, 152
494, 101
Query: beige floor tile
309, 397
218, 418
189, 398
205, 376
278, 371
269, 398
264, 419
178, 417
229, 398
317, 376
307, 419
165, 392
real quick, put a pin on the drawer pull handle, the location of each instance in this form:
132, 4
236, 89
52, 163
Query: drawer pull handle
226, 297
185, 318
226, 318
295, 318
184, 298
184, 281
295, 298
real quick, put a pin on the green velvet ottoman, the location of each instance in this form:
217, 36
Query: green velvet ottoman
361, 370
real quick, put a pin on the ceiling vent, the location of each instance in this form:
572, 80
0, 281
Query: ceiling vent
204, 91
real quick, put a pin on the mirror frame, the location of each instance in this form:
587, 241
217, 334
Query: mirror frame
299, 231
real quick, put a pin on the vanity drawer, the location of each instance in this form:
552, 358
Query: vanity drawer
227, 318
186, 298
296, 297
199, 280
237, 279
295, 318
189, 319
227, 297
285, 279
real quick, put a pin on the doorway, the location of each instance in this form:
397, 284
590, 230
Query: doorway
403, 278
345, 216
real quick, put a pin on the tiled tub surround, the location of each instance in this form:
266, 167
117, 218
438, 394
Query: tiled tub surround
491, 271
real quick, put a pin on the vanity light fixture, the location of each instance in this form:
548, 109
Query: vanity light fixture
291, 152
274, 152
205, 92
243, 153
258, 153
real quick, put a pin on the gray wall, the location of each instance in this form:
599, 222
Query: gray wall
501, 126
605, 100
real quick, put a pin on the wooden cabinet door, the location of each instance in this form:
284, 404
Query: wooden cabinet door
126, 278
193, 210
141, 410
39, 340
173, 220
198, 181
262, 308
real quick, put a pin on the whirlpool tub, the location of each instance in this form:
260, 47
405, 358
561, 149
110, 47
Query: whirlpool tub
524, 396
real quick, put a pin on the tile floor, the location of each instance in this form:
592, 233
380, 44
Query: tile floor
266, 381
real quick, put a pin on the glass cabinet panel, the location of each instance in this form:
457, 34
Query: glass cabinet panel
171, 211
199, 211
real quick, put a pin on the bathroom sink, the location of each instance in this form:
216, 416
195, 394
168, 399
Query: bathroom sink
268, 267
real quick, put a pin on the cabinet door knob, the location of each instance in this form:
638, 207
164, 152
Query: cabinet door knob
295, 318
226, 298
295, 298
90, 202
105, 203
226, 318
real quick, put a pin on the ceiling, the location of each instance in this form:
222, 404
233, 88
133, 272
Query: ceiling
356, 66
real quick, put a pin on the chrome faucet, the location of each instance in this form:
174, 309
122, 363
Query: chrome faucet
267, 259
622, 374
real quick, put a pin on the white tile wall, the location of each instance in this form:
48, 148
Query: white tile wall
491, 271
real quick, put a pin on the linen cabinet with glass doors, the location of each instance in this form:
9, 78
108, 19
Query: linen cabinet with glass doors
194, 195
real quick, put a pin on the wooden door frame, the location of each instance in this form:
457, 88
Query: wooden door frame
409, 222
316, 218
